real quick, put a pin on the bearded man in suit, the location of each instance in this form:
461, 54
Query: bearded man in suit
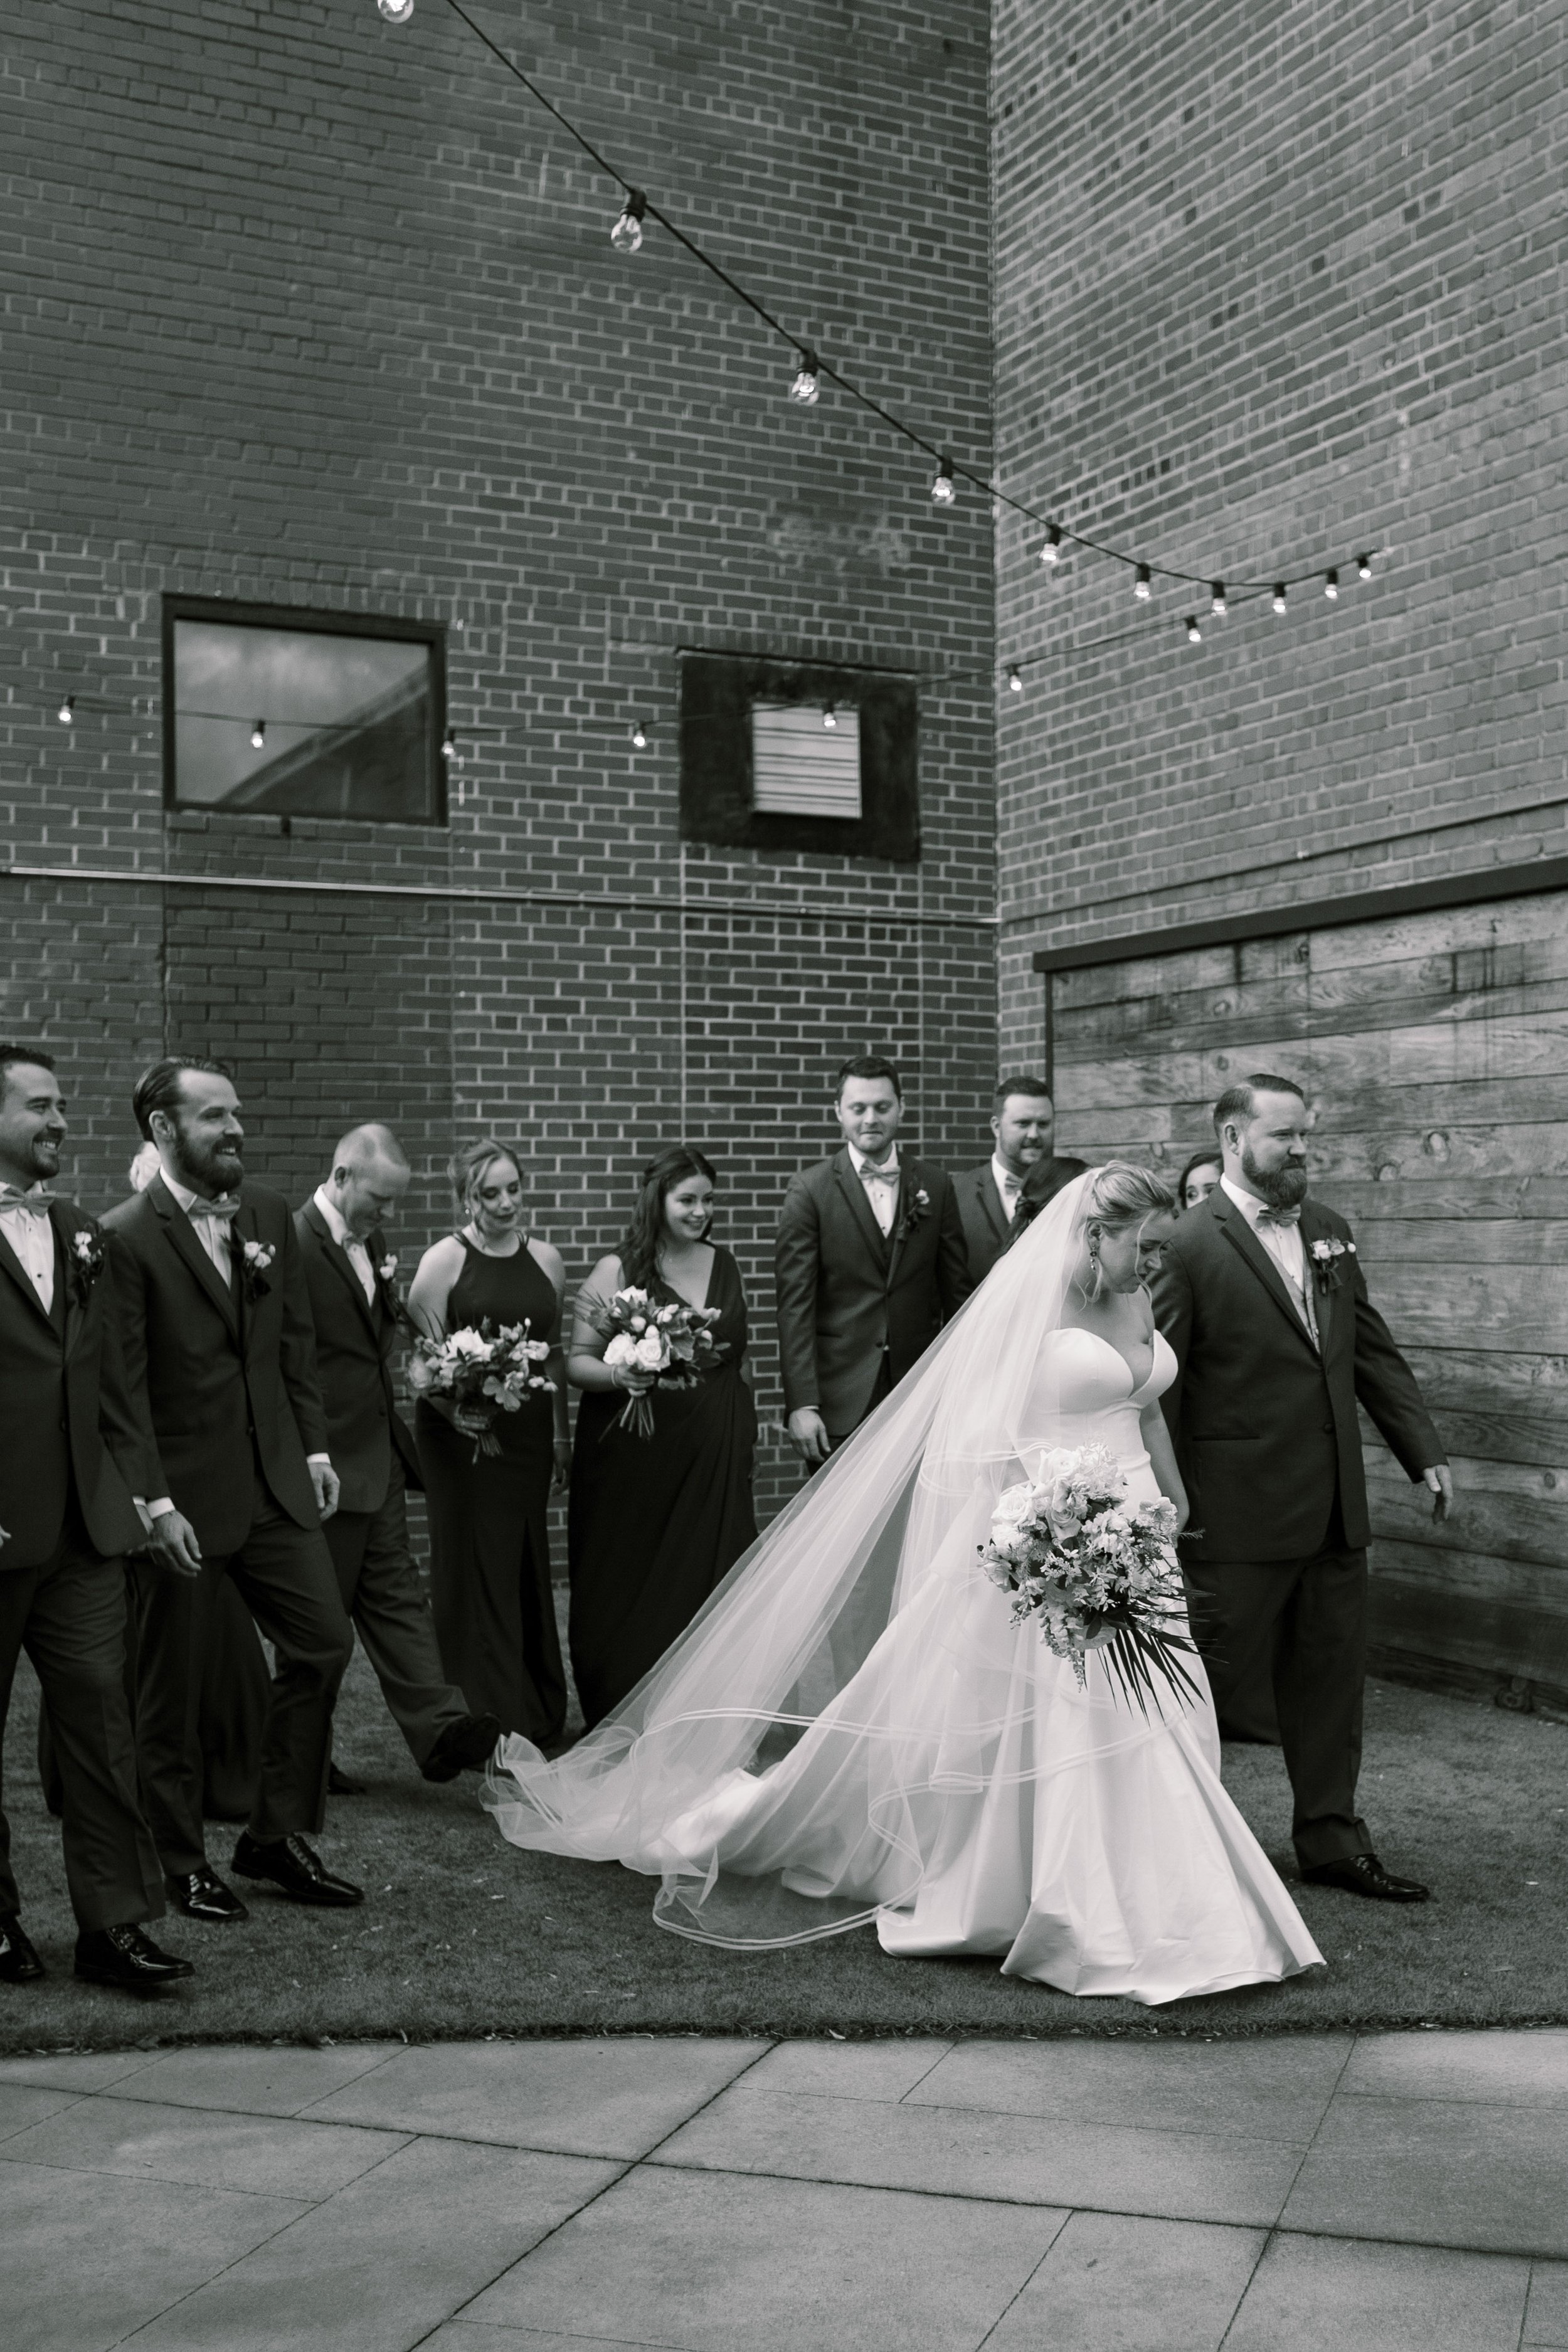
354, 1308
69, 1454
235, 1481
1261, 1296
1023, 1168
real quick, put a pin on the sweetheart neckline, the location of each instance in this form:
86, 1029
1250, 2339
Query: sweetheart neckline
1115, 1350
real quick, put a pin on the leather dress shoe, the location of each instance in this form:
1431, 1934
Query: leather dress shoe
127, 1958
466, 1746
202, 1895
19, 1964
340, 1785
1362, 1873
290, 1865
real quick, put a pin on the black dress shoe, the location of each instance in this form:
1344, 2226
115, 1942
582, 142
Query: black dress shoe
1362, 1873
466, 1746
202, 1895
340, 1785
126, 1959
290, 1865
19, 1964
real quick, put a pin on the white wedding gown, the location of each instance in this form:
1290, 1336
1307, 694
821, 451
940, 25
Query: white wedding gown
960, 1789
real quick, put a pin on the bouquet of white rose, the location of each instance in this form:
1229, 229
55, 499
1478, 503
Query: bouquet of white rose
1094, 1570
481, 1373
670, 1340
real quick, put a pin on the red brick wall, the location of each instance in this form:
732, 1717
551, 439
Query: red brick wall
1275, 285
308, 310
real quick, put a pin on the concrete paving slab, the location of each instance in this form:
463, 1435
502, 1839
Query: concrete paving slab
1112, 2283
23, 2104
250, 2081
886, 2069
953, 2152
1265, 2090
1455, 2174
465, 2336
85, 2259
1316, 2294
715, 2264
75, 2070
609, 2098
1513, 2069
379, 2265
1546, 2313
266, 2153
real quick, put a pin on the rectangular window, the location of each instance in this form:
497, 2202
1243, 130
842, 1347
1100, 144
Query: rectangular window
289, 713
806, 761
785, 755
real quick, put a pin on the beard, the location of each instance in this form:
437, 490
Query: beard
202, 1165
1282, 1188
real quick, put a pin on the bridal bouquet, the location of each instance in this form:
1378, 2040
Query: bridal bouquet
1094, 1570
672, 1340
483, 1374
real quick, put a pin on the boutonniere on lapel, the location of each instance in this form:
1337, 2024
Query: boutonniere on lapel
387, 1271
1330, 1260
256, 1259
916, 1214
88, 1259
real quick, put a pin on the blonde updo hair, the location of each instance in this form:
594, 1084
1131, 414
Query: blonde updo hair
1120, 1194
466, 1167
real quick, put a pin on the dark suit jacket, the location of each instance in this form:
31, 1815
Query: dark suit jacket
987, 1231
353, 1363
229, 1380
1265, 1427
846, 1296
1044, 1179
66, 1420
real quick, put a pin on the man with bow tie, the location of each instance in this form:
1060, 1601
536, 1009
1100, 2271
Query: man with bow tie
235, 1481
1023, 1167
68, 1454
354, 1307
1261, 1296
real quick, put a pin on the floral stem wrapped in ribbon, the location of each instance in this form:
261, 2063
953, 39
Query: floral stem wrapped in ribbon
668, 1340
481, 1375
1094, 1572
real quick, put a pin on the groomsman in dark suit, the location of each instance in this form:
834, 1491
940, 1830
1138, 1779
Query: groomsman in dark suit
69, 1453
237, 1479
869, 1261
1023, 1166
354, 1308
1261, 1296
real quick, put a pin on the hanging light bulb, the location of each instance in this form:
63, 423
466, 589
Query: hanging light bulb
806, 387
1016, 679
639, 736
830, 718
1052, 551
1194, 634
1363, 567
1332, 586
449, 745
943, 490
66, 711
1278, 597
397, 12
1142, 587
627, 235
1216, 599
258, 735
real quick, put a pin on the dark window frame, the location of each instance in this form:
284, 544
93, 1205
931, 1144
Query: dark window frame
717, 692
307, 619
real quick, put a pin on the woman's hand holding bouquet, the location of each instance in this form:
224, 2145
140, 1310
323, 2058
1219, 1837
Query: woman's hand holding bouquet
475, 1376
654, 1345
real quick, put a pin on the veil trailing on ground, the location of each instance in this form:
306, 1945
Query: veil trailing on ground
820, 1700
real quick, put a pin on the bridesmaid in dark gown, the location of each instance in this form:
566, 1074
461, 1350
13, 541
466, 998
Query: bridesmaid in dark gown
490, 1543
656, 1522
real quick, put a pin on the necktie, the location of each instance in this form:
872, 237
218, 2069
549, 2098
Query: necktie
36, 1203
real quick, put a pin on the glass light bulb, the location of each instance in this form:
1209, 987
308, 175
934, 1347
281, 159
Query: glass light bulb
1332, 586
830, 717
258, 735
1363, 567
627, 235
639, 736
943, 490
68, 710
1278, 597
1142, 587
397, 12
448, 746
1216, 599
1194, 634
1052, 551
806, 387
1015, 680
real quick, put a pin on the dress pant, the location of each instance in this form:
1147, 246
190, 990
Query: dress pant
69, 1615
285, 1576
1312, 1614
378, 1583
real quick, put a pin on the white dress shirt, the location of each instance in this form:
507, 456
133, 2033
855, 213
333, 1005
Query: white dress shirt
1284, 1244
350, 1244
1008, 1186
883, 1198
210, 1231
33, 1239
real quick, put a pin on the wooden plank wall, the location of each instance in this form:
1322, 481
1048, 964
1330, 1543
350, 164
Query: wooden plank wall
1434, 1051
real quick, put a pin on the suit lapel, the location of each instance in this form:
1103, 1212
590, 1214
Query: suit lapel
909, 1185
338, 1258
991, 1201
854, 1191
1324, 1301
1239, 1232
19, 1276
65, 1272
182, 1236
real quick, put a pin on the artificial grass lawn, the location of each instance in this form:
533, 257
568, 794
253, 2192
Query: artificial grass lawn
462, 1936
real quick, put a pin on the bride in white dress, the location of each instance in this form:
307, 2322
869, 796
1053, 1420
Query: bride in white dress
854, 1731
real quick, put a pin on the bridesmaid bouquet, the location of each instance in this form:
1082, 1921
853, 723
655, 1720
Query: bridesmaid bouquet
1094, 1570
482, 1373
672, 1340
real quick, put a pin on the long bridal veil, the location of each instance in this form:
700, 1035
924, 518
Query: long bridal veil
827, 1694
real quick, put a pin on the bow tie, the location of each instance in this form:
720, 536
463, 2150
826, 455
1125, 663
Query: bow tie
1283, 1217
870, 1175
36, 1203
220, 1210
